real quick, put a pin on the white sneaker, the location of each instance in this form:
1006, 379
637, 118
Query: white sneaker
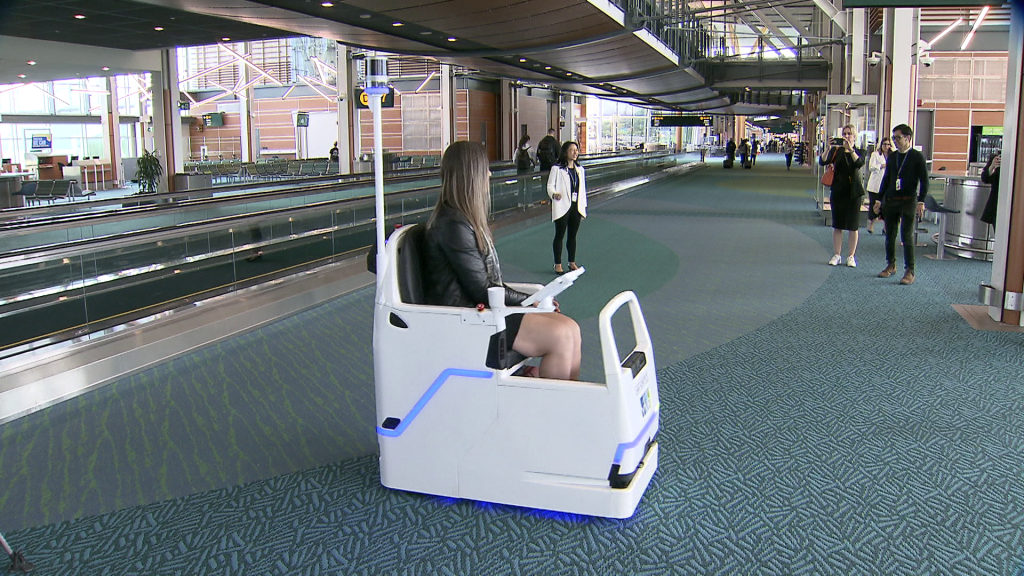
835, 260
851, 262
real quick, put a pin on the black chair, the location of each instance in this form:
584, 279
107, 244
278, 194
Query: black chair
28, 191
934, 207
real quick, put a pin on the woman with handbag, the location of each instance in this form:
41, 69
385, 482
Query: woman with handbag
843, 176
876, 169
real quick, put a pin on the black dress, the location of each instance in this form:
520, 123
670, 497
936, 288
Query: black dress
847, 188
988, 215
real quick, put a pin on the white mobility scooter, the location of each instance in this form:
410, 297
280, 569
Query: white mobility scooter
454, 419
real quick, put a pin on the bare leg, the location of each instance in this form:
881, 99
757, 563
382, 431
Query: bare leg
837, 241
556, 339
854, 238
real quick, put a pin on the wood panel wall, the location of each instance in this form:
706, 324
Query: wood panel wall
953, 121
476, 120
533, 111
273, 118
483, 121
462, 114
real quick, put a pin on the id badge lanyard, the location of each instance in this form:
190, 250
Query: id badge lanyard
901, 164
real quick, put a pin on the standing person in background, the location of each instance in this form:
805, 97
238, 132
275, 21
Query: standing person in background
789, 152
334, 154
524, 162
567, 187
847, 193
900, 198
876, 170
990, 176
547, 151
743, 151
754, 146
730, 150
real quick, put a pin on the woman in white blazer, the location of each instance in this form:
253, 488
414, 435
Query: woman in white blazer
567, 188
876, 169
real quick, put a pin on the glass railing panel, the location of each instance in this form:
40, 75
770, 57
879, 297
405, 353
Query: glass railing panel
52, 286
135, 275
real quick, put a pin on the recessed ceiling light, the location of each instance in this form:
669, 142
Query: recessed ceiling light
21, 75
31, 62
158, 28
105, 68
365, 16
452, 38
547, 67
426, 33
397, 24
225, 39
522, 59
80, 16
327, 4
568, 73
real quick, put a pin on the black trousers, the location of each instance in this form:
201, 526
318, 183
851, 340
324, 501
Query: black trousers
789, 161
900, 214
569, 221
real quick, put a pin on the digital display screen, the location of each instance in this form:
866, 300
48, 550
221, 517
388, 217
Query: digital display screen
213, 119
41, 142
991, 130
675, 121
302, 120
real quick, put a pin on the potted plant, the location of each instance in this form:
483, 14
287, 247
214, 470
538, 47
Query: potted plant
148, 171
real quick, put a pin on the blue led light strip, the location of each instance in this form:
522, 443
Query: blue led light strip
639, 438
438, 382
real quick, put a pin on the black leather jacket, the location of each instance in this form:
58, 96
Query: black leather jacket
457, 274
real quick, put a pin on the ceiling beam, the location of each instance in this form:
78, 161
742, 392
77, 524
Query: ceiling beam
792, 20
774, 29
838, 16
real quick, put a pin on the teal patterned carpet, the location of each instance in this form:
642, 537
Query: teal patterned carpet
815, 420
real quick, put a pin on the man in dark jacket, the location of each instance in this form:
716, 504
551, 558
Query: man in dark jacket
548, 150
901, 198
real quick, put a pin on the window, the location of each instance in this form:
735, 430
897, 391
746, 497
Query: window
421, 123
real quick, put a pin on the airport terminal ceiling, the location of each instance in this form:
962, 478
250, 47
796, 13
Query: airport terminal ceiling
723, 56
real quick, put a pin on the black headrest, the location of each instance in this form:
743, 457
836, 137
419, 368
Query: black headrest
410, 265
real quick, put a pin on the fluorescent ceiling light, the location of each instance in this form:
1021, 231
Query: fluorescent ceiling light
970, 35
948, 29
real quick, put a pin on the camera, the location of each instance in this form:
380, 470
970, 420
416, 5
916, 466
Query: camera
874, 59
926, 60
837, 141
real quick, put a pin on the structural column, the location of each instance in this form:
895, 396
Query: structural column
565, 116
112, 132
1008, 258
344, 135
902, 86
245, 110
168, 139
448, 107
859, 48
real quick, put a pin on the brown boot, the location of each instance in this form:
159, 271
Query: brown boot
908, 278
889, 270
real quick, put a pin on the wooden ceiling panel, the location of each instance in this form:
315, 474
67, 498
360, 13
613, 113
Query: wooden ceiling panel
528, 32
485, 11
512, 38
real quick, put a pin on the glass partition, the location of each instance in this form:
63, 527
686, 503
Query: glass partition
98, 277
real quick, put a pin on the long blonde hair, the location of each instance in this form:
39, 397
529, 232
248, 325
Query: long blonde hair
465, 187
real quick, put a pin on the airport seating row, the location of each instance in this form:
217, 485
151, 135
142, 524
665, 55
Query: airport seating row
39, 191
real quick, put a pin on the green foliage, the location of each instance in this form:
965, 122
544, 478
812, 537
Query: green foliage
148, 172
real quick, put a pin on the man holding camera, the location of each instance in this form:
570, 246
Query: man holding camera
901, 200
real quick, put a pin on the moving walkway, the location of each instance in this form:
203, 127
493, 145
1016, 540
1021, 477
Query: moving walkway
113, 267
